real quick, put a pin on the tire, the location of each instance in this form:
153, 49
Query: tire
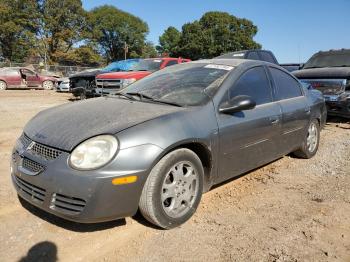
172, 194
3, 85
311, 141
48, 85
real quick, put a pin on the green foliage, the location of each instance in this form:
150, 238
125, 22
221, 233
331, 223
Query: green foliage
18, 26
61, 26
111, 28
169, 42
215, 33
148, 51
84, 55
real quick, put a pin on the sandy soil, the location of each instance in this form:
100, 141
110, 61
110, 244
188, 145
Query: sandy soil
289, 210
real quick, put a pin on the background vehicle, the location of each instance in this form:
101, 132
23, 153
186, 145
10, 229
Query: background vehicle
255, 54
113, 82
21, 77
329, 72
164, 140
292, 67
83, 84
63, 85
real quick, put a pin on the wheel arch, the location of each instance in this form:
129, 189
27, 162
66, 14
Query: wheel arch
202, 151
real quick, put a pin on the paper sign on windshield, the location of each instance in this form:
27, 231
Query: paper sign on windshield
222, 67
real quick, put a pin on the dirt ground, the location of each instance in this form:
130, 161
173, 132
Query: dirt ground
290, 210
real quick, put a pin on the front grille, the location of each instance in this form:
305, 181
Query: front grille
66, 204
109, 83
32, 166
36, 193
45, 152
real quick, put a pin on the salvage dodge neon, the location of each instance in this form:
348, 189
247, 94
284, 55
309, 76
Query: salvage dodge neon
165, 140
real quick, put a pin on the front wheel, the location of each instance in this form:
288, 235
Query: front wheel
311, 141
48, 85
173, 189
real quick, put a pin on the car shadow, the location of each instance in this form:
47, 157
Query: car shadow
141, 220
70, 225
45, 251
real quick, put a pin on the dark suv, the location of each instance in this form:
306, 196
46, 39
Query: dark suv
329, 72
255, 54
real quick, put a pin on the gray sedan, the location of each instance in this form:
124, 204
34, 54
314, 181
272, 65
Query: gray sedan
164, 140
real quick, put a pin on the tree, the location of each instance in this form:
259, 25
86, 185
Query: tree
169, 42
111, 28
62, 24
215, 33
84, 55
18, 26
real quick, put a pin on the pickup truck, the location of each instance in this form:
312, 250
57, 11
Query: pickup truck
82, 84
111, 83
329, 72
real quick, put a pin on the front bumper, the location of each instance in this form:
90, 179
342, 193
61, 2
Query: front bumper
83, 196
338, 108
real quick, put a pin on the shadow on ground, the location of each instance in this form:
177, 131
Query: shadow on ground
42, 252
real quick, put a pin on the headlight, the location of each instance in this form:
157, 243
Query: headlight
94, 152
127, 82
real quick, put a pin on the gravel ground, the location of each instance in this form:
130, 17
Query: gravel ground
289, 210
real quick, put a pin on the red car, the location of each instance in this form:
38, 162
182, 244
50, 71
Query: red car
113, 82
21, 77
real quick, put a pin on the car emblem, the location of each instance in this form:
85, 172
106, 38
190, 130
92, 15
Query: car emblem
30, 145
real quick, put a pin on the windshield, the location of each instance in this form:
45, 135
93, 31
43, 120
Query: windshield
329, 60
151, 65
124, 65
185, 84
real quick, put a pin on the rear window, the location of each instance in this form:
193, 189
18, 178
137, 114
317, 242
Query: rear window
266, 56
147, 65
336, 59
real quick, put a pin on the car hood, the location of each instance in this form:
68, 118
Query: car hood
124, 75
87, 74
66, 126
325, 73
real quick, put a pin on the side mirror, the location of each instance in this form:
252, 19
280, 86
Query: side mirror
237, 104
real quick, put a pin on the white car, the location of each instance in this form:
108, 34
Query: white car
63, 85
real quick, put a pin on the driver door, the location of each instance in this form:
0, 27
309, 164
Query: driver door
249, 139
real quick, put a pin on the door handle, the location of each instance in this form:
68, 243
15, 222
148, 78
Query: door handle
274, 120
308, 110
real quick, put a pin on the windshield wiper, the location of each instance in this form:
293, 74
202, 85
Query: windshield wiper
128, 96
149, 98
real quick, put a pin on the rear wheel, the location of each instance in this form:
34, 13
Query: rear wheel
48, 85
173, 189
311, 141
3, 85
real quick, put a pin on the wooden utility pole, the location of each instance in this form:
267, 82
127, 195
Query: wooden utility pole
126, 50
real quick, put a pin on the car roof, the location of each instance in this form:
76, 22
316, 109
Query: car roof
232, 62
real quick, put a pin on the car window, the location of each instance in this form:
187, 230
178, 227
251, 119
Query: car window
170, 63
266, 56
253, 83
11, 72
27, 72
253, 56
286, 85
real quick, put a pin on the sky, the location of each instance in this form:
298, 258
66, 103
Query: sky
292, 29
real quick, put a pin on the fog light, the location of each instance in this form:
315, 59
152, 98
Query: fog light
124, 180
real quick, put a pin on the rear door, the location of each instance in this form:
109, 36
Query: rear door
248, 138
295, 109
13, 77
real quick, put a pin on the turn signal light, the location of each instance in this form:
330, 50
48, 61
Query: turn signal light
124, 180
